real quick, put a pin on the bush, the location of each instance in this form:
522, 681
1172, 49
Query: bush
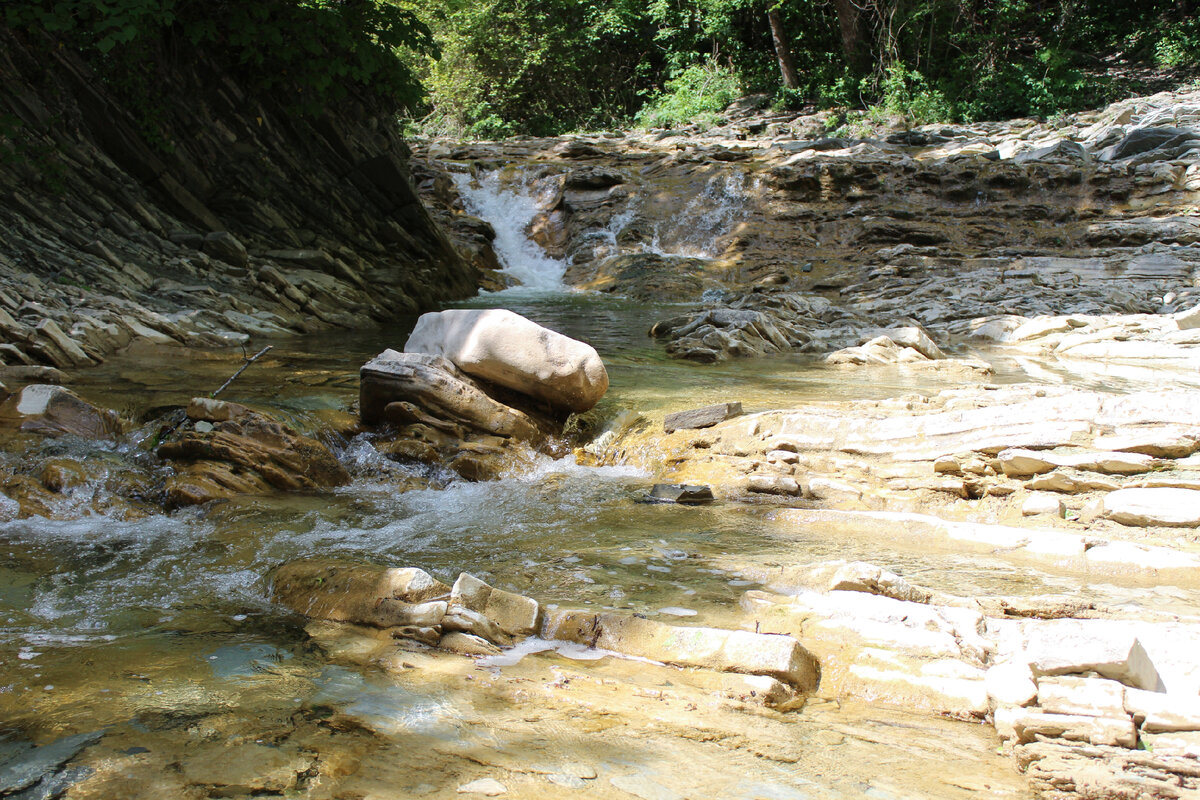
696, 95
1179, 45
315, 51
906, 94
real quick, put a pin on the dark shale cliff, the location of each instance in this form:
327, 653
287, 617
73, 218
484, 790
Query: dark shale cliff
232, 217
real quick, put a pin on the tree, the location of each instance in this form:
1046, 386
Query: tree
783, 51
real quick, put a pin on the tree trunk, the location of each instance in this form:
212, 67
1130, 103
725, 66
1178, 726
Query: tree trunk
849, 18
787, 67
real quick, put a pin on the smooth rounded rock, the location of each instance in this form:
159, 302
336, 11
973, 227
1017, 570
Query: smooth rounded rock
508, 349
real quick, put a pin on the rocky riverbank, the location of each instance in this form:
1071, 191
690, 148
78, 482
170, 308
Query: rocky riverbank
1034, 285
794, 240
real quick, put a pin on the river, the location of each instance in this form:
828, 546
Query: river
158, 633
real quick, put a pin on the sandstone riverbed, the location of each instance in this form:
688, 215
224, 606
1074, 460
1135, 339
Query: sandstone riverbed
953, 460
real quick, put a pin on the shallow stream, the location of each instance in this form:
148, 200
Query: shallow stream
158, 631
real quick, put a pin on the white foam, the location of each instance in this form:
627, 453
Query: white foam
510, 209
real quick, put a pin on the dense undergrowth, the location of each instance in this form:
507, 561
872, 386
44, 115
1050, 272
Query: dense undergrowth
313, 53
490, 68
551, 66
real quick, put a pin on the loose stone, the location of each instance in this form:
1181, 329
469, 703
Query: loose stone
701, 417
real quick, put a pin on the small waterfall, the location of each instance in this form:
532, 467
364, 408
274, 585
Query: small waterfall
510, 209
696, 230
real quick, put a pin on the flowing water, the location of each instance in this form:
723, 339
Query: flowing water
157, 631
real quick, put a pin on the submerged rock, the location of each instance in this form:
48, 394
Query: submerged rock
408, 602
32, 765
512, 351
680, 493
701, 417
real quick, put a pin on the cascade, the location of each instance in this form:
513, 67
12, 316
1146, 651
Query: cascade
510, 208
696, 230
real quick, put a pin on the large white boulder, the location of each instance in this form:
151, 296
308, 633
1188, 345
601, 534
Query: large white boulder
508, 349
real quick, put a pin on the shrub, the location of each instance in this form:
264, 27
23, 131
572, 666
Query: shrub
697, 94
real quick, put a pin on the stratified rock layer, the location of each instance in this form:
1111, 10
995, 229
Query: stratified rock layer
246, 219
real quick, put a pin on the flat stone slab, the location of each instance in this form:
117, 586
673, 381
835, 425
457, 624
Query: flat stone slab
1088, 697
1173, 508
1162, 712
775, 655
1026, 725
1065, 647
701, 417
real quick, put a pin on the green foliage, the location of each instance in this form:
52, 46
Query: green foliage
533, 66
697, 94
313, 51
551, 66
1179, 45
906, 94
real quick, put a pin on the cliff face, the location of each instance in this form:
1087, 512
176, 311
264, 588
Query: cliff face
242, 218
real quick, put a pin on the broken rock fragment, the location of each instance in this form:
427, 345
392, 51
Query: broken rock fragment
1071, 647
775, 655
515, 614
360, 593
53, 410
701, 417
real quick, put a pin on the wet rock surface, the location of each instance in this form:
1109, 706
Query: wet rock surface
244, 452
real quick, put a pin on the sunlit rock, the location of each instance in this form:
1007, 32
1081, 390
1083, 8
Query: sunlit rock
515, 614
1176, 508
1043, 503
1180, 744
1010, 683
1027, 725
1090, 697
362, 594
858, 576
1158, 712
777, 656
512, 351
1075, 647
947, 686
